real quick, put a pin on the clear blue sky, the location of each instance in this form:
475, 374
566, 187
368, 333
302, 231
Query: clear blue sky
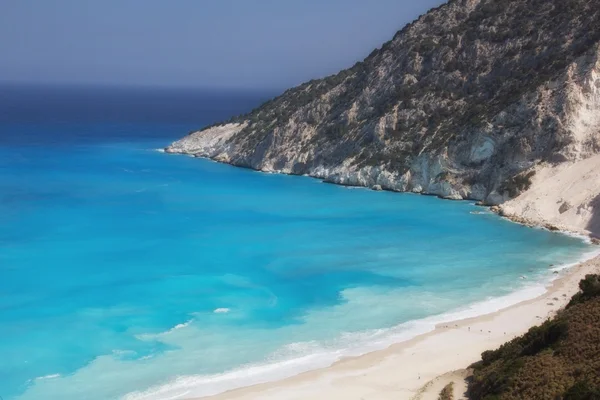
200, 43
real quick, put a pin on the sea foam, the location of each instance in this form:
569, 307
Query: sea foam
299, 357
317, 356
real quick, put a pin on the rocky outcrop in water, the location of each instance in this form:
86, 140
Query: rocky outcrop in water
465, 102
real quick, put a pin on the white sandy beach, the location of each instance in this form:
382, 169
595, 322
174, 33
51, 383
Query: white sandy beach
420, 367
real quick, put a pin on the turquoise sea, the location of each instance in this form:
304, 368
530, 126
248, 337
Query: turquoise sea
129, 273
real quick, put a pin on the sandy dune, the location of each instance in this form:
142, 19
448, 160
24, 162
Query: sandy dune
566, 196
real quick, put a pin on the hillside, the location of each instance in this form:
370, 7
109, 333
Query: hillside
558, 360
468, 101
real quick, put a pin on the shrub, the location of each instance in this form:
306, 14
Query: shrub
447, 392
590, 287
582, 391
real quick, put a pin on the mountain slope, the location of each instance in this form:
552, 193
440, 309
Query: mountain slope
465, 102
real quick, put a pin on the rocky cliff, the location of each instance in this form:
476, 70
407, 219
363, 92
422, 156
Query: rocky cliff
468, 101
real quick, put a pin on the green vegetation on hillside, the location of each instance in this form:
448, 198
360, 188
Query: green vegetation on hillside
558, 360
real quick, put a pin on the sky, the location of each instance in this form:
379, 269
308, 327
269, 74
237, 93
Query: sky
193, 43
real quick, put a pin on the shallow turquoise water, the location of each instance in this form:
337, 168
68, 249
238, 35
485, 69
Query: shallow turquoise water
126, 271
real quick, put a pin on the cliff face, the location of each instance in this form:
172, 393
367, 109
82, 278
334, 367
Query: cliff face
466, 102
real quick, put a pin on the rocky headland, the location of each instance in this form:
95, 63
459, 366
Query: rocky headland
496, 101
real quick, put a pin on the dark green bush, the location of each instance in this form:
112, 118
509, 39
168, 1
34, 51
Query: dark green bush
590, 288
582, 391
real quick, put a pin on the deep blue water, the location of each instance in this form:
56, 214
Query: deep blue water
128, 272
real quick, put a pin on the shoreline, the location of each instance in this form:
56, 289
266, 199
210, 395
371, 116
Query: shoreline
593, 236
321, 377
451, 346
322, 178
